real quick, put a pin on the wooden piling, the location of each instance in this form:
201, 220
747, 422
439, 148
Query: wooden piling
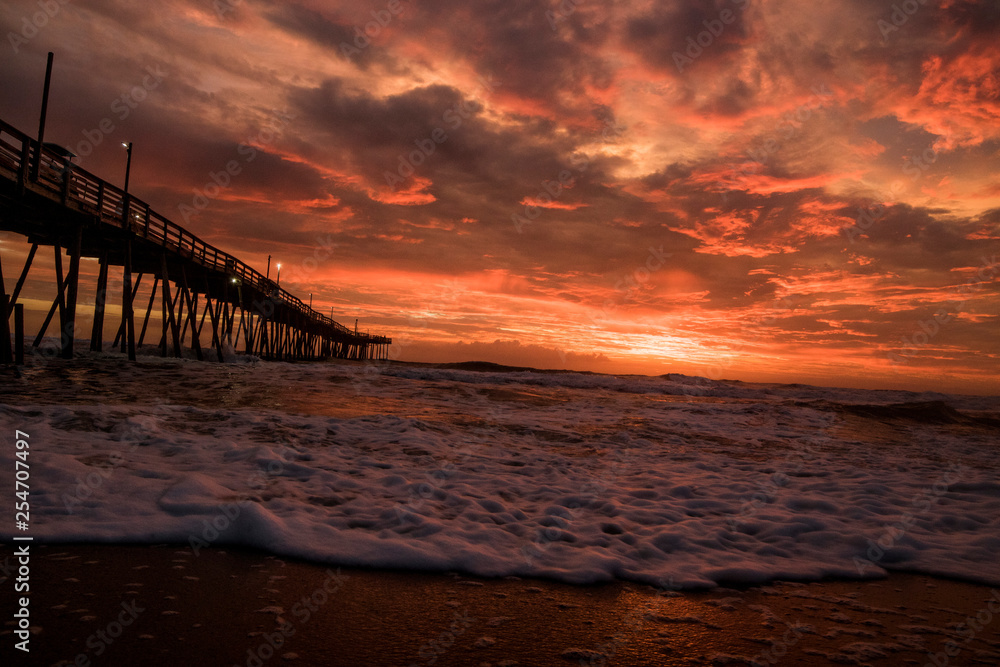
6, 356
126, 305
24, 275
149, 310
57, 303
192, 307
128, 297
215, 310
68, 328
97, 331
169, 319
19, 334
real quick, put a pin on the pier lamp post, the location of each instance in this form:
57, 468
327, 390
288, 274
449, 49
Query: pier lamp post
279, 275
268, 276
128, 163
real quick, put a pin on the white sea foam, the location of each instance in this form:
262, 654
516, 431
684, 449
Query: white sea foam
674, 481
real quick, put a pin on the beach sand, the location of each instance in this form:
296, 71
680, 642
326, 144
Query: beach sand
164, 605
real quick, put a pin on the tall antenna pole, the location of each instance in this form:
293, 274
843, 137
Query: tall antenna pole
41, 121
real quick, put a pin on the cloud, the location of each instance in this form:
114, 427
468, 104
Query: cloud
534, 156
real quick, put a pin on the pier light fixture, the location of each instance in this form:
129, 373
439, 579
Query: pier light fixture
128, 163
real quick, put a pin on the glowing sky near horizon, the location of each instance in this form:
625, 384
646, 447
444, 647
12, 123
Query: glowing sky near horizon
748, 189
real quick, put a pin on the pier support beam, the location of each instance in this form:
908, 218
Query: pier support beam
149, 309
68, 322
5, 351
128, 297
57, 302
192, 316
19, 334
169, 321
6, 355
215, 310
21, 279
120, 334
100, 298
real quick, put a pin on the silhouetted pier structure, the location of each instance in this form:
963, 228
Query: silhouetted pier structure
52, 202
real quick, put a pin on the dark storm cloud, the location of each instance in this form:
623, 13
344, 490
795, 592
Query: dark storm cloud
339, 37
312, 24
541, 54
670, 35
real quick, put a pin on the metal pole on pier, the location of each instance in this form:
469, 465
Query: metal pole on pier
41, 120
128, 163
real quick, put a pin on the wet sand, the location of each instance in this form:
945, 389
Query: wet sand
164, 605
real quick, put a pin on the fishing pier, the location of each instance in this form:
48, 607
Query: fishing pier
55, 204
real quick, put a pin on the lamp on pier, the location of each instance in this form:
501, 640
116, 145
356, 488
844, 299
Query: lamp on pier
128, 163
279, 275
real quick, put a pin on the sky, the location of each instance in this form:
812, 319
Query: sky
761, 190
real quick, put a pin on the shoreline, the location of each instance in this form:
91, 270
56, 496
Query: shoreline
162, 605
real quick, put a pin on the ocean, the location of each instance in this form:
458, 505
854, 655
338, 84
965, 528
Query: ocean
674, 481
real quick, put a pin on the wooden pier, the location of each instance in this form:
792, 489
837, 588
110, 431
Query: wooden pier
54, 203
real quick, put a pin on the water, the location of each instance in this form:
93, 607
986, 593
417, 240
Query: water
675, 481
